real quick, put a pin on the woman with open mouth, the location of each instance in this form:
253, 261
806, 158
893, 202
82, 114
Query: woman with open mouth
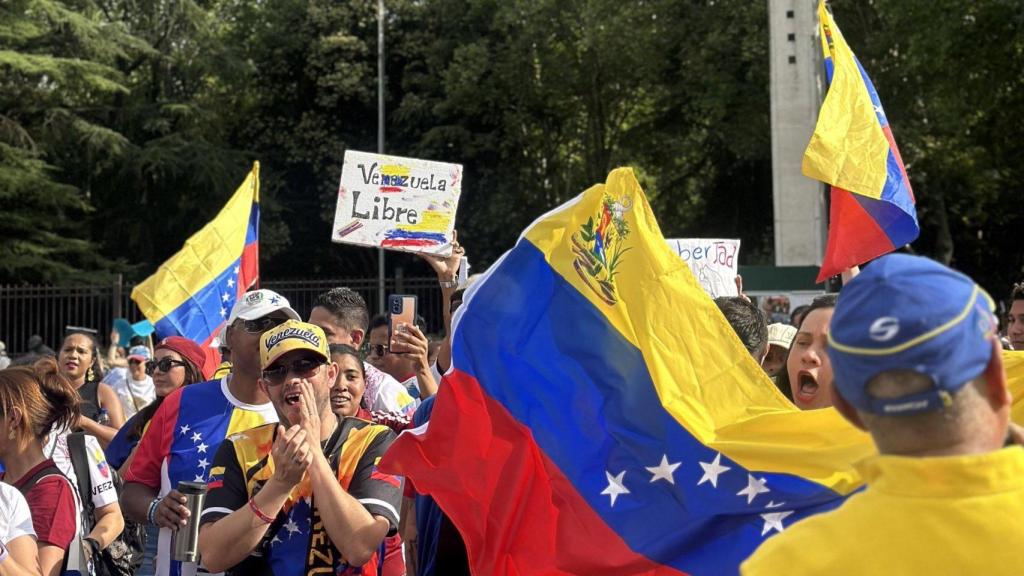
79, 363
808, 366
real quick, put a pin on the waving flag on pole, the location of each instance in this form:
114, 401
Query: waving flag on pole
872, 210
192, 293
602, 417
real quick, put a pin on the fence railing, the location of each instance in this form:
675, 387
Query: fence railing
47, 310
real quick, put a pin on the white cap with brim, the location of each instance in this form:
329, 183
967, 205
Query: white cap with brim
781, 335
260, 303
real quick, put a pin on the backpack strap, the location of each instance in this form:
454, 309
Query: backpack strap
50, 470
80, 464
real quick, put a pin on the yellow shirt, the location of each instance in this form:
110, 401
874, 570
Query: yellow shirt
949, 515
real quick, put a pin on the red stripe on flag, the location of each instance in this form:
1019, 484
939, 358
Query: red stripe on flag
387, 189
409, 242
853, 236
250, 272
503, 494
213, 358
896, 152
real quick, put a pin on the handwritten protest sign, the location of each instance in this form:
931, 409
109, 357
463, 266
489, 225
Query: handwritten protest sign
714, 262
397, 203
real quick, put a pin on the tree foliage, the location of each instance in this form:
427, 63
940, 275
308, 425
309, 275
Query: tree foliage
56, 71
125, 124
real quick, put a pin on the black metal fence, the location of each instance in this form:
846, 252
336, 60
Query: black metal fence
47, 310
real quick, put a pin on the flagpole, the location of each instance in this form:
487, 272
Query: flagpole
380, 137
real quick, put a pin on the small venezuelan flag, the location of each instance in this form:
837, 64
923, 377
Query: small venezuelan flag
872, 205
602, 417
192, 293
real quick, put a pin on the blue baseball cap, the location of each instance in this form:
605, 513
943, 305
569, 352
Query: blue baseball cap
909, 313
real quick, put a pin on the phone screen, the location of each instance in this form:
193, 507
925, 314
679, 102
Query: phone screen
401, 311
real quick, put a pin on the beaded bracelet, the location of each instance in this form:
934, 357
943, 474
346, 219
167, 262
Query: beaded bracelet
151, 513
259, 513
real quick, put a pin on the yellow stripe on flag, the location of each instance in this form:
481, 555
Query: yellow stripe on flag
848, 148
206, 254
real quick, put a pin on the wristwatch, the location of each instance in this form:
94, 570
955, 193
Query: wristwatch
451, 284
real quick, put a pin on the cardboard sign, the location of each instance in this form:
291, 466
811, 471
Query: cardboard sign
397, 203
714, 262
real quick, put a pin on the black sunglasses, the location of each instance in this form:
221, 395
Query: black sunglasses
164, 365
303, 368
378, 349
261, 325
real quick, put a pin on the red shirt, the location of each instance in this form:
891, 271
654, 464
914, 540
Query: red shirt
52, 502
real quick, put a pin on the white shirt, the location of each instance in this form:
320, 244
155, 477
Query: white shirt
133, 394
385, 394
100, 476
15, 516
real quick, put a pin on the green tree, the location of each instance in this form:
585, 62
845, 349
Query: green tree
56, 68
179, 164
541, 99
951, 76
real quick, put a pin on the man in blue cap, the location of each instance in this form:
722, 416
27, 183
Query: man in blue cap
917, 364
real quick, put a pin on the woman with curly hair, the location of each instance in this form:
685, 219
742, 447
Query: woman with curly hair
79, 362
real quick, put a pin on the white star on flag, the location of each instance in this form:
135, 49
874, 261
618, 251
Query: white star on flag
236, 269
663, 471
225, 297
754, 487
291, 527
203, 463
231, 283
712, 470
276, 540
196, 437
615, 486
199, 478
773, 521
184, 429
223, 312
202, 448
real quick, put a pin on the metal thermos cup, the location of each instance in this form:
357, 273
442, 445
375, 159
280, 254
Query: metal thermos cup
185, 540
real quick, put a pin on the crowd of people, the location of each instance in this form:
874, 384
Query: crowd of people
287, 434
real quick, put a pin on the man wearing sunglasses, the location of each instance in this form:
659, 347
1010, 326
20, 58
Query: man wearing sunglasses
190, 425
303, 496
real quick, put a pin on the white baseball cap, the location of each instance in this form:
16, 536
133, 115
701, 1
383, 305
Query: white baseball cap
781, 335
259, 303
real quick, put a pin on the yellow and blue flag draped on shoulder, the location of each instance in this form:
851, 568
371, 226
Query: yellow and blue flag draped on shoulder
601, 416
192, 293
872, 209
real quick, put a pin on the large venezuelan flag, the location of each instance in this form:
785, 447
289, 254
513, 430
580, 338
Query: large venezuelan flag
872, 210
602, 417
192, 293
